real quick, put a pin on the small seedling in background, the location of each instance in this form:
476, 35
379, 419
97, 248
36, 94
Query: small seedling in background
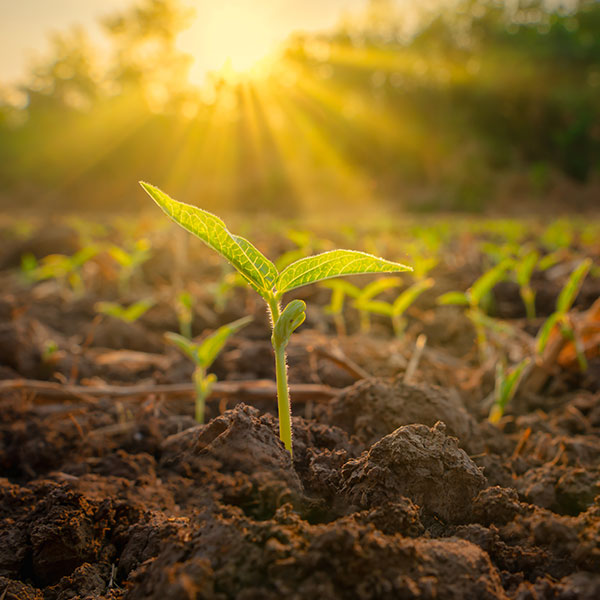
476, 297
129, 261
66, 269
361, 297
128, 314
506, 385
523, 271
203, 355
560, 317
271, 284
183, 308
395, 310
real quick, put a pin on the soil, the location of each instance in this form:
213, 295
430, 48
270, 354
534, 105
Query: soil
399, 487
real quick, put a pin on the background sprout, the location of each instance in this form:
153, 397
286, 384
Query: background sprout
396, 309
506, 385
183, 308
128, 314
476, 296
523, 271
560, 317
129, 261
203, 354
262, 275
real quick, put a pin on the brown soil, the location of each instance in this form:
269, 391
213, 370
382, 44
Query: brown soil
396, 490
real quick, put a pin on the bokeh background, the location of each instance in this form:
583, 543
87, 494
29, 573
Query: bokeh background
292, 106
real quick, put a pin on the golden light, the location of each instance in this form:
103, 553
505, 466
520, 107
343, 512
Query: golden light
233, 38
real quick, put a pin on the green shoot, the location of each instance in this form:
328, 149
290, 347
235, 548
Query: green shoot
523, 272
262, 275
183, 308
475, 297
506, 385
560, 317
396, 309
339, 290
203, 354
129, 261
127, 314
66, 269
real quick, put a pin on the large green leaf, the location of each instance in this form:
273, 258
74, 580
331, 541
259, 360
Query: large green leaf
256, 268
333, 264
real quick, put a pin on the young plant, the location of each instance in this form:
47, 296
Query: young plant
129, 261
560, 317
203, 354
183, 308
127, 314
475, 298
396, 309
66, 269
523, 271
340, 289
506, 385
260, 273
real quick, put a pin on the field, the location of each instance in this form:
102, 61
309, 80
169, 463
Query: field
446, 448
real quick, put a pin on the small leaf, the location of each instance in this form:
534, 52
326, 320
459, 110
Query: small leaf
459, 298
289, 320
256, 268
409, 295
487, 281
377, 287
333, 264
377, 307
210, 347
188, 347
571, 289
544, 333
135, 311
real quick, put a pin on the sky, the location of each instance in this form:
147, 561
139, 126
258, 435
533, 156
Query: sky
241, 30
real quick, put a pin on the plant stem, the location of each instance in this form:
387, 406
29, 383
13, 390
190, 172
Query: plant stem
284, 407
200, 394
283, 399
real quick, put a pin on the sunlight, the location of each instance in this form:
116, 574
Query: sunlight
234, 39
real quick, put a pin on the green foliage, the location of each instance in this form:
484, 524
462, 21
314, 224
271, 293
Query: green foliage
270, 284
183, 308
66, 269
130, 261
506, 385
203, 354
560, 317
127, 314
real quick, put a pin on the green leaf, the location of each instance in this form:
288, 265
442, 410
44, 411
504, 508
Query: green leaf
135, 311
544, 333
409, 295
256, 268
571, 289
487, 281
377, 287
186, 346
345, 287
210, 347
377, 307
524, 268
459, 298
332, 264
289, 320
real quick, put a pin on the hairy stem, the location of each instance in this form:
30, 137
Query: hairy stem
284, 407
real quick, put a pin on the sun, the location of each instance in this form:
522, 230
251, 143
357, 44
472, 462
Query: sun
234, 37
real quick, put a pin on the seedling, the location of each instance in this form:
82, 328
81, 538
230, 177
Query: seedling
66, 269
271, 284
506, 385
560, 317
127, 314
203, 354
183, 308
523, 271
130, 261
396, 309
475, 297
